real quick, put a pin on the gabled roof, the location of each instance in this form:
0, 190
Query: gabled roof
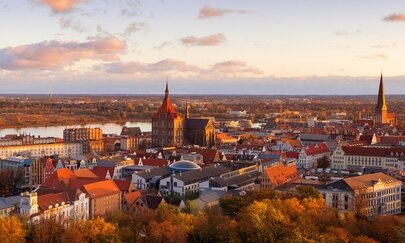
153, 201
101, 189
51, 199
209, 155
363, 181
101, 171
61, 176
131, 197
85, 173
131, 131
153, 162
316, 149
373, 151
123, 185
159, 171
281, 174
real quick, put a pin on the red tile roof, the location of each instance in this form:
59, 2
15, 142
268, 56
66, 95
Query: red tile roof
281, 174
373, 151
316, 149
123, 185
101, 171
51, 199
84, 173
153, 162
209, 155
131, 197
101, 189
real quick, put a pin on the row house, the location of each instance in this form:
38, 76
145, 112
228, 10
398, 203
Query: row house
370, 195
357, 157
310, 154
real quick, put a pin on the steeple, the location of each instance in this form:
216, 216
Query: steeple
167, 89
381, 107
381, 96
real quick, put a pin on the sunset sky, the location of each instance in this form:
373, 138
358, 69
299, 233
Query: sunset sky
210, 47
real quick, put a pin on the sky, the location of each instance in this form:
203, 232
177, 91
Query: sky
203, 47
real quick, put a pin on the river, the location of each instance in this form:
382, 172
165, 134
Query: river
57, 131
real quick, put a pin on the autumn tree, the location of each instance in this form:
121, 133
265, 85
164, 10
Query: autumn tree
11, 230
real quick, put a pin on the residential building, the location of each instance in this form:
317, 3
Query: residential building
61, 149
105, 197
188, 182
8, 204
370, 195
357, 157
278, 175
310, 154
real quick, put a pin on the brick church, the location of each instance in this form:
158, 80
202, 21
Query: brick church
171, 129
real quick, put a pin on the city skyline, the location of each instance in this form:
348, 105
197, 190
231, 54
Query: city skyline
204, 47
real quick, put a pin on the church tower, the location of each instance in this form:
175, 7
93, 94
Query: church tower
381, 107
167, 124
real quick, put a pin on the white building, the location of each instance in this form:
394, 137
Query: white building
61, 149
309, 155
61, 205
371, 195
357, 157
188, 182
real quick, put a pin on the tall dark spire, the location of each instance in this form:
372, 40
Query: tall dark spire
381, 96
167, 89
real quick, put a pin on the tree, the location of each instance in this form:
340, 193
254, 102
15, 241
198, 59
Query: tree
323, 162
307, 192
97, 230
11, 230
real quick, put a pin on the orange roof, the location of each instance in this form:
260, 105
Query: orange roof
51, 199
154, 162
123, 185
101, 189
281, 174
101, 171
131, 197
58, 177
316, 149
84, 173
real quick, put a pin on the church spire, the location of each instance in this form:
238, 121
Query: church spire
381, 96
167, 89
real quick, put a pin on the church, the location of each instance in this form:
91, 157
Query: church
381, 112
171, 129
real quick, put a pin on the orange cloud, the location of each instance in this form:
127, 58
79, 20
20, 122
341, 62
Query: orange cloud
54, 54
395, 17
235, 67
210, 40
209, 12
60, 5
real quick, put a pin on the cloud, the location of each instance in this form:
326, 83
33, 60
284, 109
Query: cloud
163, 45
210, 40
134, 27
346, 33
177, 69
69, 23
54, 54
60, 6
395, 18
207, 12
373, 56
234, 68
132, 8
166, 65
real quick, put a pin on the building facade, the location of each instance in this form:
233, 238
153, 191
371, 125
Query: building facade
61, 149
357, 157
370, 195
167, 125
